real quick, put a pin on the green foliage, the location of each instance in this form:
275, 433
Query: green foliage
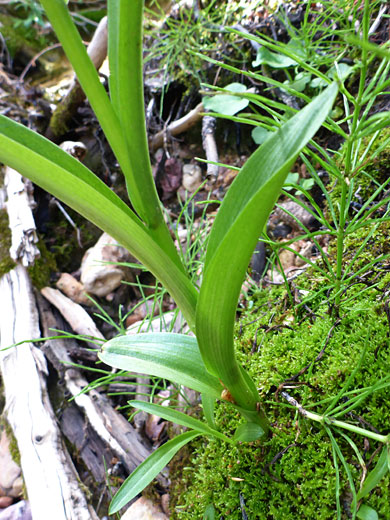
227, 104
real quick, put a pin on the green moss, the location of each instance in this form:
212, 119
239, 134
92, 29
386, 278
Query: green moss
292, 475
43, 266
19, 38
6, 262
13, 444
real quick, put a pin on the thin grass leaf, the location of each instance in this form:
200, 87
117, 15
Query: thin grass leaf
171, 356
169, 414
238, 224
148, 470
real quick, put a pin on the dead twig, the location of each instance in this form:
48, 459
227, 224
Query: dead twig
177, 127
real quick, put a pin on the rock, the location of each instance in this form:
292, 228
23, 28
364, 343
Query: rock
165, 503
19, 511
75, 148
5, 502
73, 289
17, 488
10, 471
305, 252
287, 257
99, 277
143, 509
292, 214
192, 177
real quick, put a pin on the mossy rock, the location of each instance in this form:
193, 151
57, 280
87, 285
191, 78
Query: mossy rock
6, 262
292, 474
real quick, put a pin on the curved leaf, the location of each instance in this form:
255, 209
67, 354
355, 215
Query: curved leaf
163, 354
67, 179
150, 468
376, 475
236, 229
169, 414
124, 138
227, 104
366, 513
248, 432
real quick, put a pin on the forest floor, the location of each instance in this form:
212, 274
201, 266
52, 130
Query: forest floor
313, 319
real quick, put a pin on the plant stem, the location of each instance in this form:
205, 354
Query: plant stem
328, 421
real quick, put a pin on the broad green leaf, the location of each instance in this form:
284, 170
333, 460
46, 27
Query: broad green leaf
124, 140
237, 227
272, 59
163, 354
208, 405
225, 103
292, 178
367, 513
376, 475
148, 470
300, 81
127, 93
248, 432
260, 134
67, 179
340, 71
169, 414
209, 513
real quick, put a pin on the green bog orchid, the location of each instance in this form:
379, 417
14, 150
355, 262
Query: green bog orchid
206, 361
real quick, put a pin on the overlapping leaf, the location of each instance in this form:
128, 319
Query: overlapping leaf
170, 414
70, 181
172, 356
239, 222
148, 470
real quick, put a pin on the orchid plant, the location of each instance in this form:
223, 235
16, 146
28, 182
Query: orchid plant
204, 361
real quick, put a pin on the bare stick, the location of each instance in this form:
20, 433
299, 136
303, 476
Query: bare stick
177, 127
210, 146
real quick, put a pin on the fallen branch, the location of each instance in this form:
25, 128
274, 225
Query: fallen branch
97, 51
210, 146
51, 479
177, 127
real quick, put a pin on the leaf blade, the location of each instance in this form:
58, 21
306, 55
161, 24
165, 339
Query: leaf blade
375, 475
172, 415
148, 470
67, 179
162, 354
236, 229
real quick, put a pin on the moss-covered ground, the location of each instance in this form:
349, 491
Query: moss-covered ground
292, 475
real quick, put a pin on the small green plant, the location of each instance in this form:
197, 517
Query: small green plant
205, 362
